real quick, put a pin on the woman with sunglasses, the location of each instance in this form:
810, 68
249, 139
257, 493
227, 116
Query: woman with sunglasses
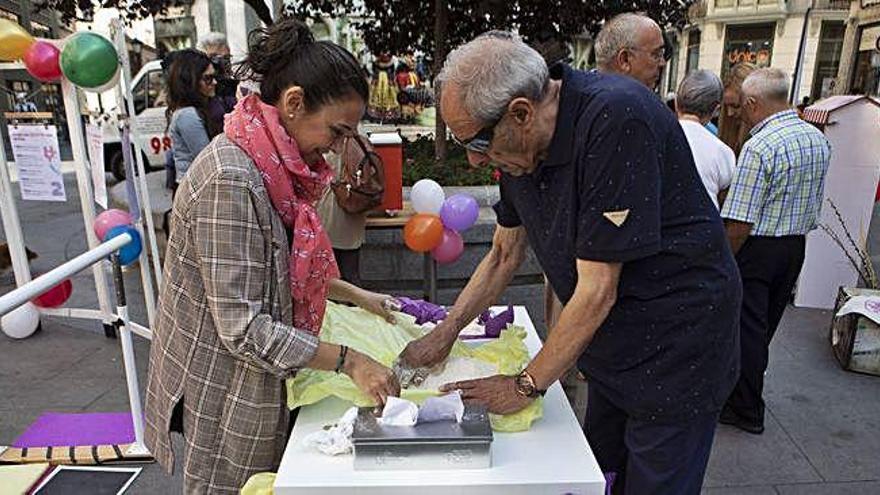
249, 268
192, 82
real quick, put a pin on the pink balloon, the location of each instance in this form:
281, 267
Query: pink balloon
41, 61
109, 219
450, 247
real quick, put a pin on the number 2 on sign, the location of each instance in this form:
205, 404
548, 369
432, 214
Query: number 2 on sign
158, 145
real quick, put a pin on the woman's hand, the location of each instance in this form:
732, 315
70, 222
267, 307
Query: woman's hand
379, 304
373, 379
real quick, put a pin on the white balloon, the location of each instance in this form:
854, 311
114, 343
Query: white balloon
427, 197
21, 322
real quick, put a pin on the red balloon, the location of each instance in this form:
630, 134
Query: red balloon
42, 61
56, 296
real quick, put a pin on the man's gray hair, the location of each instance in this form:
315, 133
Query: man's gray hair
620, 32
492, 70
699, 93
767, 83
212, 40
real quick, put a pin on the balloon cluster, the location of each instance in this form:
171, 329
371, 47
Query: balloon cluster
113, 223
86, 59
439, 221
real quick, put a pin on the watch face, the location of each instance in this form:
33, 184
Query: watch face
524, 386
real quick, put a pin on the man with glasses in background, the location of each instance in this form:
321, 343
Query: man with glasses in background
632, 45
217, 48
599, 180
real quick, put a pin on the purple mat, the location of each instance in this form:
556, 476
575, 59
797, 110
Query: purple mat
65, 429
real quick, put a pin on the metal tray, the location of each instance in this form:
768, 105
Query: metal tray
436, 445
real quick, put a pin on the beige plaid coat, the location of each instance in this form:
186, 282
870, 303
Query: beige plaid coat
223, 342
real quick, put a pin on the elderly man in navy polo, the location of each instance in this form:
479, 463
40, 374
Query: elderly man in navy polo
600, 182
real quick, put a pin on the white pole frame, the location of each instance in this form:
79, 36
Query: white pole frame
145, 226
15, 239
41, 284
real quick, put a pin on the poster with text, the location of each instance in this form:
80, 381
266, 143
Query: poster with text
38, 161
95, 141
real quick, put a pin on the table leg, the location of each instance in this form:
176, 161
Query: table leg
430, 273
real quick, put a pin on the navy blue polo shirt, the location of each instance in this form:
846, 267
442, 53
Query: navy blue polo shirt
619, 184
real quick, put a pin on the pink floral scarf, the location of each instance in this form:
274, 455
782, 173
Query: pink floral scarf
294, 188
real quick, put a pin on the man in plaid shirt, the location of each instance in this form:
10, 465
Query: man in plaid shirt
773, 203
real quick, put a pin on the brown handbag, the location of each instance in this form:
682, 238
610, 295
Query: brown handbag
361, 184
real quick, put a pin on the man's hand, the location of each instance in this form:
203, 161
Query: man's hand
430, 349
498, 393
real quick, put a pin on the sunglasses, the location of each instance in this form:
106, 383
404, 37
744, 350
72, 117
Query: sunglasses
209, 79
481, 141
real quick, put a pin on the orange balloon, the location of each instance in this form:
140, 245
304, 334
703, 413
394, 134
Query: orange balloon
423, 232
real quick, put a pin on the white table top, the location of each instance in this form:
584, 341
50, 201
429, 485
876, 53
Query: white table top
552, 457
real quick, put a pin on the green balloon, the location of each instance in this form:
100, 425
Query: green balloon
89, 60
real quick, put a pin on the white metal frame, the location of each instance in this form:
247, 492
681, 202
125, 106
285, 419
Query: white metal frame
98, 252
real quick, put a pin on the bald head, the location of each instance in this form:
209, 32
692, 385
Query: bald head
631, 44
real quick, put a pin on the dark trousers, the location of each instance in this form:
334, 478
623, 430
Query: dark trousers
648, 457
349, 261
769, 267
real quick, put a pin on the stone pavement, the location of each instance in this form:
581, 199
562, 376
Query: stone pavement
822, 424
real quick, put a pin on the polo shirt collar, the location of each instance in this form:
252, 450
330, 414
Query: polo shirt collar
783, 115
560, 151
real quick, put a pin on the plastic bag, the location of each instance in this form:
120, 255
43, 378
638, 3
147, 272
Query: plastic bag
370, 334
259, 484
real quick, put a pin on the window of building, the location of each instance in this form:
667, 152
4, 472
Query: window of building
748, 43
866, 75
5, 14
827, 59
40, 30
693, 51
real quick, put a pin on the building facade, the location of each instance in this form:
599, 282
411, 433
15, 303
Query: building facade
802, 37
860, 68
18, 90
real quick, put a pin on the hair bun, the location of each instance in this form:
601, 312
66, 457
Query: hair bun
269, 48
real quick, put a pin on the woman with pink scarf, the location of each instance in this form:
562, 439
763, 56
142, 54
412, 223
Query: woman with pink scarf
249, 268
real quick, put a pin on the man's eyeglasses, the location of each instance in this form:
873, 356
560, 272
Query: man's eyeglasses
481, 142
659, 55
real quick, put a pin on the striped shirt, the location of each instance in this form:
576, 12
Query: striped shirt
780, 177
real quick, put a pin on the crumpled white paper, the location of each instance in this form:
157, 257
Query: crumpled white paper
399, 412
337, 439
447, 407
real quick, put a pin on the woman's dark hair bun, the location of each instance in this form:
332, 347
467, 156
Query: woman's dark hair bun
286, 54
272, 46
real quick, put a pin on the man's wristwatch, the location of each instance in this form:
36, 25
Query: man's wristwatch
525, 386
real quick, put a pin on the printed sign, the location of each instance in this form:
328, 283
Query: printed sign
38, 161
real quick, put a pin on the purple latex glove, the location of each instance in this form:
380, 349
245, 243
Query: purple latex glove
423, 311
495, 324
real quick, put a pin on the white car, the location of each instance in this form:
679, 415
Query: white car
148, 123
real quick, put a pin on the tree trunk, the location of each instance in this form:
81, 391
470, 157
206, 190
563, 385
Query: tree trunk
440, 20
264, 13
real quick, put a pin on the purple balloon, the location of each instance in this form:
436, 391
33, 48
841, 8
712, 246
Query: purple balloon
459, 212
450, 247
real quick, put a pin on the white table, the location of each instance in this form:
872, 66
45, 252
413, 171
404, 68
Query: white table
551, 458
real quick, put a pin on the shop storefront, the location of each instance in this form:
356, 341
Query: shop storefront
866, 70
748, 43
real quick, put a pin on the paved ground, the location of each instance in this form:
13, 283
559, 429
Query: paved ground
822, 428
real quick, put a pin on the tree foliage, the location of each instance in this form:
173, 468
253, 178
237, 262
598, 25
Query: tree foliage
398, 25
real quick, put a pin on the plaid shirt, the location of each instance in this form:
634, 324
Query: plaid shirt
223, 342
780, 177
